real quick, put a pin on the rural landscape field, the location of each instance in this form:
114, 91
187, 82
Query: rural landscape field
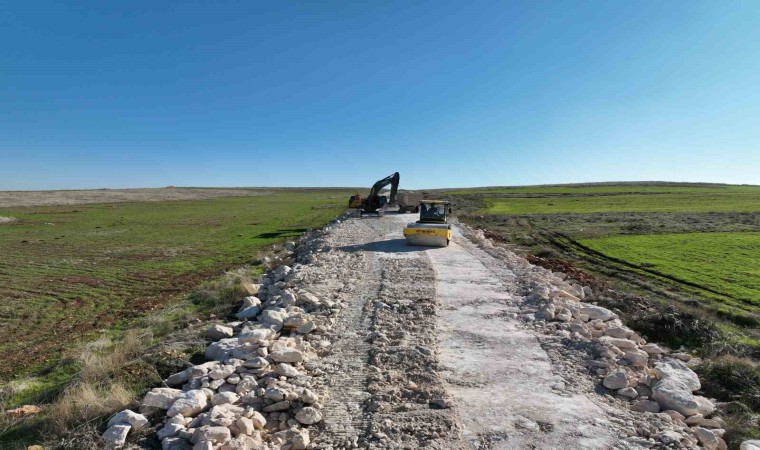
80, 272
699, 242
677, 261
380, 225
682, 259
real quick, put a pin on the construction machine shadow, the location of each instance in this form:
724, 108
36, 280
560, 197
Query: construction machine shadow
387, 246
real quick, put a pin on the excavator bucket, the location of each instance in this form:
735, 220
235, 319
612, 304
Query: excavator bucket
428, 234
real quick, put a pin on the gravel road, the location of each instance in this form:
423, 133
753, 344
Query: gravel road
468, 353
368, 343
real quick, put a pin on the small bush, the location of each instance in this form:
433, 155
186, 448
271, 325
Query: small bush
99, 389
729, 378
546, 252
675, 327
741, 424
736, 380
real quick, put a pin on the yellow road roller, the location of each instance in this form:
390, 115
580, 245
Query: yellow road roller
432, 230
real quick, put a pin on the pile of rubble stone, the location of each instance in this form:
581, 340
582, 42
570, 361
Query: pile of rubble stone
646, 376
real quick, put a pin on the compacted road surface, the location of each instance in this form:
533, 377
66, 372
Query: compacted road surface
434, 348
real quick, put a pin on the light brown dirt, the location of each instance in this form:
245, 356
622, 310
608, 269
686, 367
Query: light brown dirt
75, 197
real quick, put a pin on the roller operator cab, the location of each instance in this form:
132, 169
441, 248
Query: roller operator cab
433, 228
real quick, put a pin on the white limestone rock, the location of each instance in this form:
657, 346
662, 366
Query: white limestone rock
307, 396
307, 327
637, 357
628, 392
753, 444
216, 332
175, 443
221, 372
309, 415
308, 298
618, 332
212, 434
257, 335
249, 301
677, 370
162, 398
623, 344
616, 379
597, 312
287, 356
256, 363
169, 430
653, 349
245, 426
222, 349
189, 404
705, 406
650, 406
131, 418
287, 370
671, 393
279, 406
707, 438
258, 420
223, 398
249, 312
116, 436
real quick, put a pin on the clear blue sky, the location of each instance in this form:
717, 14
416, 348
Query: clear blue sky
321, 93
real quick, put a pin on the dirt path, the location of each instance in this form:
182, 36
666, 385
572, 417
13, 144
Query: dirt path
383, 364
435, 325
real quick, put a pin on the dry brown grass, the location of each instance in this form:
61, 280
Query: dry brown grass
98, 390
87, 401
98, 366
222, 295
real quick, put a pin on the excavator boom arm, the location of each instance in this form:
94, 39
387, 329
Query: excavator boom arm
377, 187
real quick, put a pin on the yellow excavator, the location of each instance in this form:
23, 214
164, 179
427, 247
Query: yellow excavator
433, 229
374, 203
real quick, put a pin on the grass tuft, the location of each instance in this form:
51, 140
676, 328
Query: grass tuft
675, 327
731, 378
87, 401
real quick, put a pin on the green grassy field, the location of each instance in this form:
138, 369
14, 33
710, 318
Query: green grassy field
700, 201
725, 263
67, 272
604, 188
699, 237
